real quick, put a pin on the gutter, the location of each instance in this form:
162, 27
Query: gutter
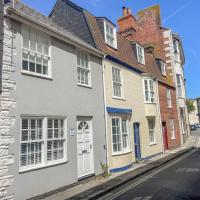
15, 15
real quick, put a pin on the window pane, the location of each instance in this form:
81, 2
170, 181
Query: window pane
32, 62
31, 151
25, 38
45, 46
25, 60
39, 43
39, 64
32, 41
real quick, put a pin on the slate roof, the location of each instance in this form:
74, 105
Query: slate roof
40, 18
72, 18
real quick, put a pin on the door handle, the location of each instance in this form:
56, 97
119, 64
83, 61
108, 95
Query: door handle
90, 146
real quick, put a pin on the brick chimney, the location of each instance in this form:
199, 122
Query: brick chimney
145, 28
127, 23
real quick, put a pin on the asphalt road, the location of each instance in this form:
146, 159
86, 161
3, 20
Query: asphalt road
177, 180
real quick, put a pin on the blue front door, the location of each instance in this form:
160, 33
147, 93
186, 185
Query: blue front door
136, 127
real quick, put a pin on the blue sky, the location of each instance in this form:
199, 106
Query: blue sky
182, 16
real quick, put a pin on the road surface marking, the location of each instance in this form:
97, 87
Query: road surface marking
147, 177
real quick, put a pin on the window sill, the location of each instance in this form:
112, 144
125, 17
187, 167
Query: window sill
150, 102
114, 48
121, 153
38, 167
85, 86
36, 75
119, 98
153, 144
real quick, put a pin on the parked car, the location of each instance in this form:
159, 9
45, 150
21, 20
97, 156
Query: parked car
197, 125
193, 127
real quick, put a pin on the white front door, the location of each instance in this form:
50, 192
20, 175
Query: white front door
85, 148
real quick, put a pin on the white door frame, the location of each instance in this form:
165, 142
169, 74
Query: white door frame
89, 121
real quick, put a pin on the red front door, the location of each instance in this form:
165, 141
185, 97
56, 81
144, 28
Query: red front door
165, 137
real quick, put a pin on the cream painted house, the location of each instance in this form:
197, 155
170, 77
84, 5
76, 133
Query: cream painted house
130, 110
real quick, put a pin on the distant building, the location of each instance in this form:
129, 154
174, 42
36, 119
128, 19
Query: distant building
194, 116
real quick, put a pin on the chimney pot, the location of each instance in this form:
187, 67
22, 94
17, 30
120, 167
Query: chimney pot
128, 11
124, 11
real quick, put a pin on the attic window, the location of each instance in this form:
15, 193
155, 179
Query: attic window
140, 54
110, 34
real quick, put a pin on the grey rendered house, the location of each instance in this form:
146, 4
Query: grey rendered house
52, 105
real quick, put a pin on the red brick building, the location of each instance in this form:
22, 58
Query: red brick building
146, 29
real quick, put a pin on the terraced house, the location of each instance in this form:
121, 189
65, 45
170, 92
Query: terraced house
79, 98
132, 105
51, 104
146, 29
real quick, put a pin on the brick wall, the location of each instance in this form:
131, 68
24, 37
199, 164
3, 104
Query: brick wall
146, 28
169, 113
147, 31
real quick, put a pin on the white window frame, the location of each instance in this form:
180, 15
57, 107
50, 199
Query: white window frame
163, 68
152, 133
29, 29
83, 68
114, 36
44, 162
140, 58
128, 148
179, 85
151, 93
169, 98
172, 129
118, 83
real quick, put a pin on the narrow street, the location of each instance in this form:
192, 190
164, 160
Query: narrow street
177, 180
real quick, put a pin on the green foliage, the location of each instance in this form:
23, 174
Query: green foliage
104, 168
190, 106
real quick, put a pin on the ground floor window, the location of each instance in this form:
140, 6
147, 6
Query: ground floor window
151, 127
42, 140
120, 135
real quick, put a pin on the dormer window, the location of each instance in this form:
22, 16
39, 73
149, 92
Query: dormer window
163, 68
140, 54
110, 34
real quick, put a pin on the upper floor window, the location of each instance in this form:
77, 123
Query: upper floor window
110, 34
83, 69
120, 135
117, 82
169, 98
179, 86
163, 68
149, 90
172, 129
140, 54
176, 51
35, 52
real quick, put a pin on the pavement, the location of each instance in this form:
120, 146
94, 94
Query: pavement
97, 187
